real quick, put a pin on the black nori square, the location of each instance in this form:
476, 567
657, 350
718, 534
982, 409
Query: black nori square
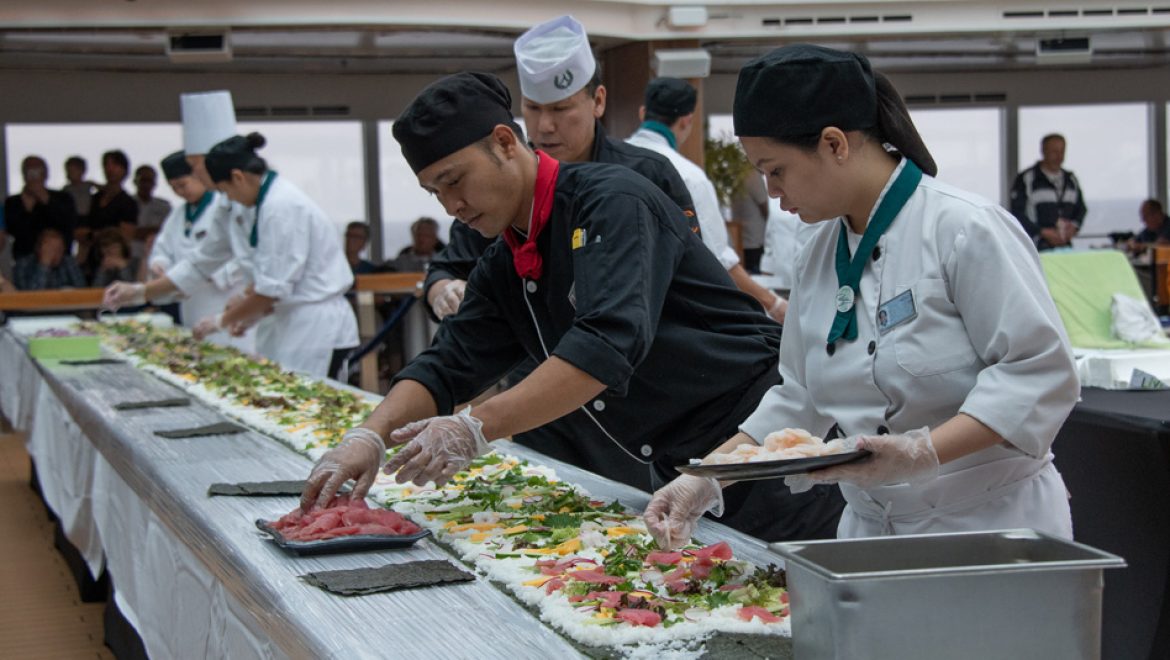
409, 575
219, 428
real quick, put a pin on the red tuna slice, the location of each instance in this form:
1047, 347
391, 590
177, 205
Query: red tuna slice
323, 522
719, 550
663, 558
701, 568
558, 567
608, 598
358, 516
748, 612
594, 576
637, 617
336, 532
553, 585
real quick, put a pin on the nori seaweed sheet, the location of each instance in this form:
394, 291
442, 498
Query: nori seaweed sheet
409, 575
219, 428
153, 403
77, 363
258, 488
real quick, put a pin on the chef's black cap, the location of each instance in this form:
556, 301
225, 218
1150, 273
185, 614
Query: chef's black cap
670, 97
799, 90
175, 166
450, 114
235, 153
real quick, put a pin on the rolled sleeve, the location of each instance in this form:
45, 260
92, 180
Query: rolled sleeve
1030, 384
185, 276
596, 357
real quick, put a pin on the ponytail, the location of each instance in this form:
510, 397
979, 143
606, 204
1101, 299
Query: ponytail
895, 127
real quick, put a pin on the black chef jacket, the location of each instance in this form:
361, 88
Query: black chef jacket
466, 245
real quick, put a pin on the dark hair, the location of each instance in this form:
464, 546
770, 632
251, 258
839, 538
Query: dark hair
424, 220
1052, 136
118, 157
662, 119
358, 224
112, 236
48, 232
256, 165
1153, 204
595, 81
75, 160
235, 153
486, 141
144, 168
894, 127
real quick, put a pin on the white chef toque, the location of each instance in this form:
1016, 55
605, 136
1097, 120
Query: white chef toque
554, 60
208, 119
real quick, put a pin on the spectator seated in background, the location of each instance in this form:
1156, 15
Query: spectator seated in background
424, 243
1157, 227
152, 211
110, 206
36, 208
79, 188
357, 236
116, 262
49, 267
6, 286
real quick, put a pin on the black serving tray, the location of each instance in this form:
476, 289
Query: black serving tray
341, 543
771, 469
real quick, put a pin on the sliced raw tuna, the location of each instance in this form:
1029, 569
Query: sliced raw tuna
594, 576
663, 558
749, 612
637, 617
719, 550
342, 518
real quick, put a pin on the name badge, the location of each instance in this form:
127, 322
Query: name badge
896, 311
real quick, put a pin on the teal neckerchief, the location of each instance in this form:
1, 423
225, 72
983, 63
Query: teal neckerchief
193, 212
849, 270
268, 179
663, 130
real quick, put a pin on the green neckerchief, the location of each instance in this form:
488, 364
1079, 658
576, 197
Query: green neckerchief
268, 179
663, 130
193, 212
849, 270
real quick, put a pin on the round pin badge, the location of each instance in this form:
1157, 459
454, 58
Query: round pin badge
844, 299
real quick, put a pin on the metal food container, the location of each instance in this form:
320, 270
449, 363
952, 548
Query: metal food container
974, 595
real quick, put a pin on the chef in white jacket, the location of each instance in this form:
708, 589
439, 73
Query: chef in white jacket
667, 117
299, 271
189, 224
208, 118
920, 324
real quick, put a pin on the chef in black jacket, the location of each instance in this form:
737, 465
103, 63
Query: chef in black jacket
562, 103
636, 325
562, 100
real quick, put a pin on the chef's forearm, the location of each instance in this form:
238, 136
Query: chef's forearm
555, 389
406, 402
159, 287
962, 435
250, 306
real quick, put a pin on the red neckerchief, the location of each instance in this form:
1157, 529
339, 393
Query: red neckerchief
525, 257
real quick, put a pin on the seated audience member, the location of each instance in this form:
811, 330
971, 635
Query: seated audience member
79, 188
424, 243
1156, 230
151, 210
48, 267
116, 262
357, 236
6, 287
36, 208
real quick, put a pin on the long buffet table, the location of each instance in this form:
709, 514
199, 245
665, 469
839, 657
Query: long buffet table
193, 575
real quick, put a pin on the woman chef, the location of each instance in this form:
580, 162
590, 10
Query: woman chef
299, 271
920, 324
188, 225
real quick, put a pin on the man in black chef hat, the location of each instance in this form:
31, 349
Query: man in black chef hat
636, 326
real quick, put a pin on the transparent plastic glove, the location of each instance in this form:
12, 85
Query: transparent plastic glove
124, 294
778, 309
358, 456
676, 508
437, 448
449, 300
207, 325
900, 458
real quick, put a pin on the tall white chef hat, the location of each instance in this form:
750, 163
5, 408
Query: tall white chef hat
208, 119
554, 60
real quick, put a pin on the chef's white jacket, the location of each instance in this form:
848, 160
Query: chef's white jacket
986, 341
711, 224
204, 296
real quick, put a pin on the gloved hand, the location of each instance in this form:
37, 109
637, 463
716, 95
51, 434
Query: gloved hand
438, 447
207, 325
448, 301
900, 458
358, 456
676, 508
778, 309
123, 294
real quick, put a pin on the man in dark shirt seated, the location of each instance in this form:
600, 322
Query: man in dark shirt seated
357, 235
1157, 227
49, 267
424, 244
36, 208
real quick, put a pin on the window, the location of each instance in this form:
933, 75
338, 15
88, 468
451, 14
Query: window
1107, 149
966, 145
